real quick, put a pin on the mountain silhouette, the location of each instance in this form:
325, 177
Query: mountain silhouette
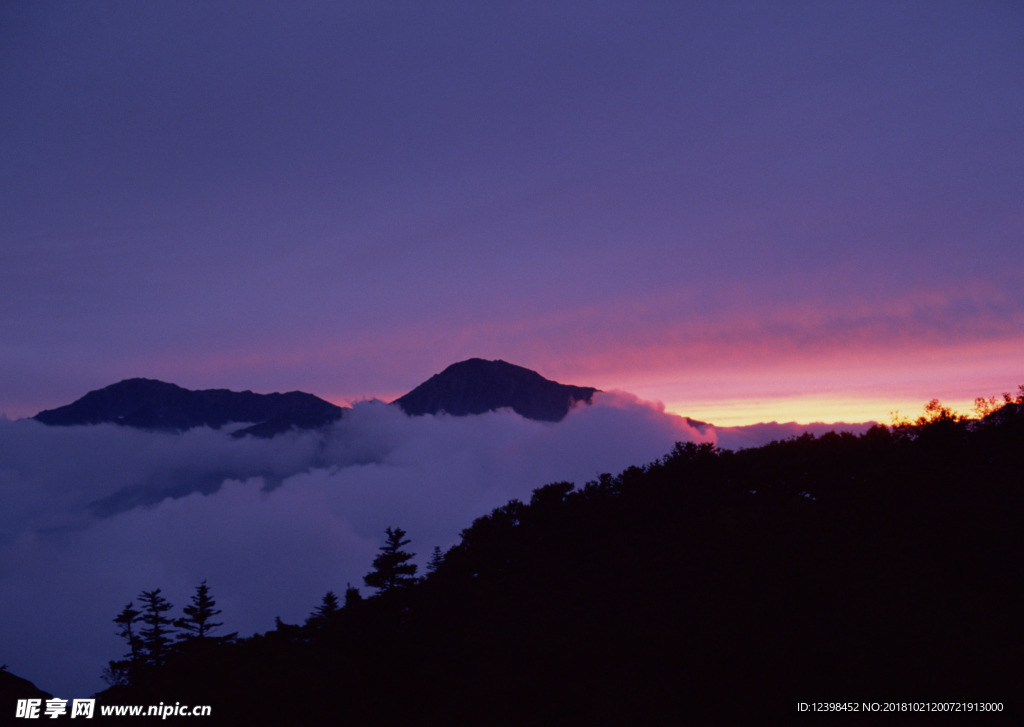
156, 405
476, 386
468, 387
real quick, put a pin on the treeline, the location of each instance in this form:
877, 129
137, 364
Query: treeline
707, 586
153, 638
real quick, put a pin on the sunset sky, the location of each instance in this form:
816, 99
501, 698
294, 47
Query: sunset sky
748, 211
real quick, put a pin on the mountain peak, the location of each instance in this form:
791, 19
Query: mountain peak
158, 405
475, 386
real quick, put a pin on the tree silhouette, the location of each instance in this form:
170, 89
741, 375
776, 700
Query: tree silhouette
198, 623
436, 559
391, 567
156, 636
352, 596
124, 620
121, 671
329, 606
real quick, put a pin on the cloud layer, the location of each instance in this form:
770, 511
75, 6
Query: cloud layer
93, 515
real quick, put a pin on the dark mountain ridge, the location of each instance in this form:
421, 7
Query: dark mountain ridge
469, 387
476, 386
157, 405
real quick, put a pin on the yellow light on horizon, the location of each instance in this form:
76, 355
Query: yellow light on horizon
805, 409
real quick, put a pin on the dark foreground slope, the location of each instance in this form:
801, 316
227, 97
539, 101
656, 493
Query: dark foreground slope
13, 688
476, 386
705, 588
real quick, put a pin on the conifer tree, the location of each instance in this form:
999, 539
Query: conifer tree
352, 596
156, 635
436, 558
125, 620
197, 624
329, 606
391, 567
122, 670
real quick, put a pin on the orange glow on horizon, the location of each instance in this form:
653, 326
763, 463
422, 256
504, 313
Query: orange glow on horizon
853, 386
806, 410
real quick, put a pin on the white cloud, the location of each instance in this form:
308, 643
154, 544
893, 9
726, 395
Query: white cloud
272, 524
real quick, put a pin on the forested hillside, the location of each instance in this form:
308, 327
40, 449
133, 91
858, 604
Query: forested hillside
707, 586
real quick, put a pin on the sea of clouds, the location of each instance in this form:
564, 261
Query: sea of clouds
95, 514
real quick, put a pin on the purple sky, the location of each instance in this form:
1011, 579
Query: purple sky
746, 210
